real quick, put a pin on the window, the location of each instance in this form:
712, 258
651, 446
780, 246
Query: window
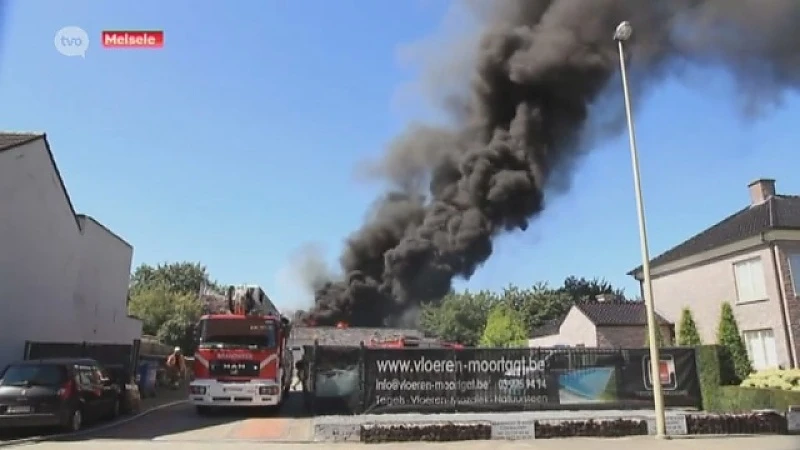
750, 285
239, 332
34, 375
794, 269
761, 349
85, 375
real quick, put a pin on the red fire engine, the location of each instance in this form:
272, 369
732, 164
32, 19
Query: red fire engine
242, 358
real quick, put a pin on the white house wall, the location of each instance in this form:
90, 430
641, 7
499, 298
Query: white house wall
51, 275
102, 288
576, 329
704, 288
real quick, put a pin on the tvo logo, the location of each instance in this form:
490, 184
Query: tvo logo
72, 41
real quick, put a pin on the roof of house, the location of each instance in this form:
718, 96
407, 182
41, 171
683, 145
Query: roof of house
618, 314
778, 212
12, 139
549, 328
9, 140
345, 336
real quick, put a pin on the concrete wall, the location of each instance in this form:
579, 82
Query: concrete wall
705, 287
576, 329
46, 267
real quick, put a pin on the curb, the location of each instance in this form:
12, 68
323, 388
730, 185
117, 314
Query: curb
107, 426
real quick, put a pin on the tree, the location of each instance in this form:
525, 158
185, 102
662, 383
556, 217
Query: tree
659, 337
181, 277
178, 331
462, 316
688, 336
537, 304
459, 317
158, 305
504, 328
587, 290
734, 363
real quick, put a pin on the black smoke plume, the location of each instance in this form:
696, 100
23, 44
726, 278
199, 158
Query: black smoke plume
539, 67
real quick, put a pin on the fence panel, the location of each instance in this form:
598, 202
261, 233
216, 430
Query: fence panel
118, 355
479, 379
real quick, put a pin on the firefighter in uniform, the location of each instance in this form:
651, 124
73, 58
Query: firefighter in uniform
176, 368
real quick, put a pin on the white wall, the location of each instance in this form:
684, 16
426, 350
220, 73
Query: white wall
705, 287
102, 288
576, 329
47, 266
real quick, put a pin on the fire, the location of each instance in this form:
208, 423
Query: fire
341, 325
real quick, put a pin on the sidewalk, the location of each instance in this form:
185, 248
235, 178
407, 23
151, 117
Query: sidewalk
164, 396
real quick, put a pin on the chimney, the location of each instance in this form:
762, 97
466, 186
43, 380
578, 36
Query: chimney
761, 190
603, 298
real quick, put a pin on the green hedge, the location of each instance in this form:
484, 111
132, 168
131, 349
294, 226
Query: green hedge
718, 398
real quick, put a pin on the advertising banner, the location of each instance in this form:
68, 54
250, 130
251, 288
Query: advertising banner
476, 379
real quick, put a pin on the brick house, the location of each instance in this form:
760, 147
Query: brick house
600, 324
748, 260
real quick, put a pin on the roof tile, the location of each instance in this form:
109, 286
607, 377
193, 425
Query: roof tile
302, 335
779, 212
618, 314
10, 140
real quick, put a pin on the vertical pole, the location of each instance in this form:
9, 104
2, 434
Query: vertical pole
652, 325
362, 374
312, 375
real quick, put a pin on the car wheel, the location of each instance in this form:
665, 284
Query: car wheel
74, 421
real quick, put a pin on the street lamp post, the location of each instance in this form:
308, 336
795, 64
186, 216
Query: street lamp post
621, 35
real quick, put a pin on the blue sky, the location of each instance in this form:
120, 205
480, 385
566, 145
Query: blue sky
236, 143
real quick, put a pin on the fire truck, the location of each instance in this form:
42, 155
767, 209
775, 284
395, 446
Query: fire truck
242, 358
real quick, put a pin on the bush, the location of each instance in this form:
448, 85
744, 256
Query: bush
728, 399
591, 428
430, 432
688, 336
733, 353
758, 423
785, 380
739, 399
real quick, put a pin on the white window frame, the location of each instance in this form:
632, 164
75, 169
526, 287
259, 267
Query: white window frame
762, 349
794, 272
751, 284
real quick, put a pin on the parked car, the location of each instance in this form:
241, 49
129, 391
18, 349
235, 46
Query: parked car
66, 392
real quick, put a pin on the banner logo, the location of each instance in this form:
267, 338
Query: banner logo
666, 373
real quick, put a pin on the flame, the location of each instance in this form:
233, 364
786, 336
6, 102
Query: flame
342, 325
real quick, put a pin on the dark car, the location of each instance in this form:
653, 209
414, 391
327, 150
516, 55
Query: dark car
56, 392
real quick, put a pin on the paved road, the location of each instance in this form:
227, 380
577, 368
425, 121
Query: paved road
179, 428
181, 423
164, 396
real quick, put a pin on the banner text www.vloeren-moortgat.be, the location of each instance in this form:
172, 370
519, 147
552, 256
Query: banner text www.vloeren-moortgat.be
425, 365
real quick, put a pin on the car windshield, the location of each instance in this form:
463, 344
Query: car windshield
239, 332
33, 375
